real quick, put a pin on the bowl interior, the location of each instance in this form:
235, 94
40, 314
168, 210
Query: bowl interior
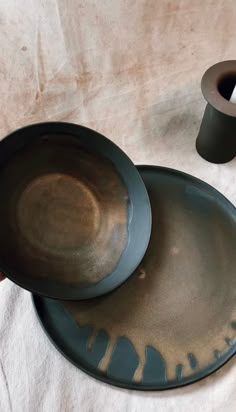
63, 213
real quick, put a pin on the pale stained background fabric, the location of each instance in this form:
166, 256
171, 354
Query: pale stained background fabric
132, 71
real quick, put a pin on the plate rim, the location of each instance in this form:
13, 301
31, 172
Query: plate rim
113, 382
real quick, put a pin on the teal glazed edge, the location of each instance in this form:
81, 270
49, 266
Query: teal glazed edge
65, 334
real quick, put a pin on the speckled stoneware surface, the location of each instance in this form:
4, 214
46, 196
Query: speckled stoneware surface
174, 321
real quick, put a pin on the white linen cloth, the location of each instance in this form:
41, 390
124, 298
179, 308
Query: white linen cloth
132, 71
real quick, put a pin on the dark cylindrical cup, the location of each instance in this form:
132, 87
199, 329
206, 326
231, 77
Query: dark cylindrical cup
216, 141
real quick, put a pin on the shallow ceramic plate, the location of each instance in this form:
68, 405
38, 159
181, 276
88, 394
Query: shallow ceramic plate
72, 207
174, 321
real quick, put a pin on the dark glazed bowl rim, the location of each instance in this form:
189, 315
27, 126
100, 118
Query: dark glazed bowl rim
139, 218
209, 86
